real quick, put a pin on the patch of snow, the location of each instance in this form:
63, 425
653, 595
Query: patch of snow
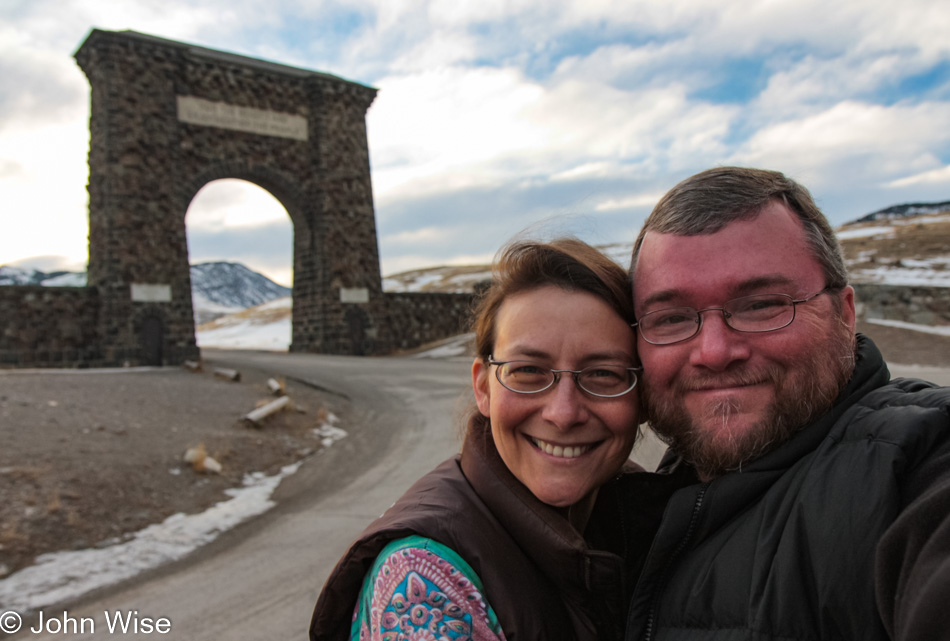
933, 272
328, 433
205, 304
864, 232
62, 576
457, 346
245, 334
422, 281
278, 303
943, 330
923, 220
466, 280
69, 279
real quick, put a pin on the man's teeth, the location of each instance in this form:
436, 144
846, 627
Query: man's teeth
561, 452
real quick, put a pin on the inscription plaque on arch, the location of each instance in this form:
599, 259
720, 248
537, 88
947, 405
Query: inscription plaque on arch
208, 113
151, 293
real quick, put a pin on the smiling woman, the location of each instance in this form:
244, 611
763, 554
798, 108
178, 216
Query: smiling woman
523, 535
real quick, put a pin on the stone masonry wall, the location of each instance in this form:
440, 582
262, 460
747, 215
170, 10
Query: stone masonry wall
907, 303
419, 318
49, 327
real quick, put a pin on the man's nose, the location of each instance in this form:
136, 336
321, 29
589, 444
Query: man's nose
717, 345
565, 404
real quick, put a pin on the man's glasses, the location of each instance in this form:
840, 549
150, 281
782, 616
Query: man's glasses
757, 313
526, 377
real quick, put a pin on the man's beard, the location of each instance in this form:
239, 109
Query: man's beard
802, 395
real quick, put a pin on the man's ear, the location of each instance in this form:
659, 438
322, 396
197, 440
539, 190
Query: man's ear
847, 306
481, 387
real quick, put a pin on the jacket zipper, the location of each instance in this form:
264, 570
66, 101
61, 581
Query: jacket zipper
664, 577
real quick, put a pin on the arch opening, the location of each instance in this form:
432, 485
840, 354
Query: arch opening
240, 241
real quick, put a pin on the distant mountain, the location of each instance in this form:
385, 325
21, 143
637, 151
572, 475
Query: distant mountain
906, 210
216, 288
449, 279
10, 275
223, 288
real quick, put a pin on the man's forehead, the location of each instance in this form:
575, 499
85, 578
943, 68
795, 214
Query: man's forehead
745, 254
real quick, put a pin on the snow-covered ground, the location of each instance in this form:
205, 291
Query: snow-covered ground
926, 329
266, 327
933, 272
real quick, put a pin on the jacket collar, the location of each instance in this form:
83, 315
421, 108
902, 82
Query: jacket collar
540, 530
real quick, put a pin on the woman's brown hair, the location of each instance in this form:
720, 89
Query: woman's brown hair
568, 263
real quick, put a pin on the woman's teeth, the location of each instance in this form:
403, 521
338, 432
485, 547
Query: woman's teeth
559, 451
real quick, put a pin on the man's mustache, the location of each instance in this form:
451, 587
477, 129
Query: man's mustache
738, 377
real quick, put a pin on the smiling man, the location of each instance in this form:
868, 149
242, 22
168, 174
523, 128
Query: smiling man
821, 508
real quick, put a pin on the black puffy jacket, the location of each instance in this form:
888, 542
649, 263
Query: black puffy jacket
786, 548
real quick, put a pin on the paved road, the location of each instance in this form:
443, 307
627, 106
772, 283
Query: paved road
261, 582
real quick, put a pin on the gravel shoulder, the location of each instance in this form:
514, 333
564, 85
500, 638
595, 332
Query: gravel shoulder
90, 457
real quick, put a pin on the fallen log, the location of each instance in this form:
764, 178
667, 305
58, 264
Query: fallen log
230, 374
275, 387
261, 413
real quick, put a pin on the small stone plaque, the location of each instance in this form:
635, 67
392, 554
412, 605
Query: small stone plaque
151, 293
196, 111
354, 295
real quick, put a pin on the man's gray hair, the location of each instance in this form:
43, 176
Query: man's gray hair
710, 200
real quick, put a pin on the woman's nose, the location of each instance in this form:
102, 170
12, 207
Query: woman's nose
565, 405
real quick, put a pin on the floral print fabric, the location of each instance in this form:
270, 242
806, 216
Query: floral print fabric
420, 590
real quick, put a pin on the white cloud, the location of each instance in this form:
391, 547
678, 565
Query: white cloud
640, 200
940, 175
233, 203
418, 236
884, 141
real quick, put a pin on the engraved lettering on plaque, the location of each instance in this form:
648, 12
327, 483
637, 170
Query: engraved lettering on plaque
354, 295
197, 111
151, 293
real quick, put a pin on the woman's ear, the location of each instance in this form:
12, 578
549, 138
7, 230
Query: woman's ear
481, 387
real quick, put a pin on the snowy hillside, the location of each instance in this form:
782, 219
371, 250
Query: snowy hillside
907, 210
906, 251
10, 275
217, 288
224, 288
450, 279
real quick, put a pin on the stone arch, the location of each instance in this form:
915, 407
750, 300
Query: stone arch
294, 203
167, 118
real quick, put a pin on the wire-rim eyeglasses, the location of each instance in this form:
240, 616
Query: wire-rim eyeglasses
600, 380
752, 314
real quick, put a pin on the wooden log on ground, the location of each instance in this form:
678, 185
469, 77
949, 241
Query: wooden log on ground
230, 374
275, 387
192, 366
261, 413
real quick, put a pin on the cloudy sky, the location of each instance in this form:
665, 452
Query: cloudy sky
496, 116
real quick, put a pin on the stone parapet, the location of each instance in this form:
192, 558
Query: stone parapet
49, 327
420, 318
917, 304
